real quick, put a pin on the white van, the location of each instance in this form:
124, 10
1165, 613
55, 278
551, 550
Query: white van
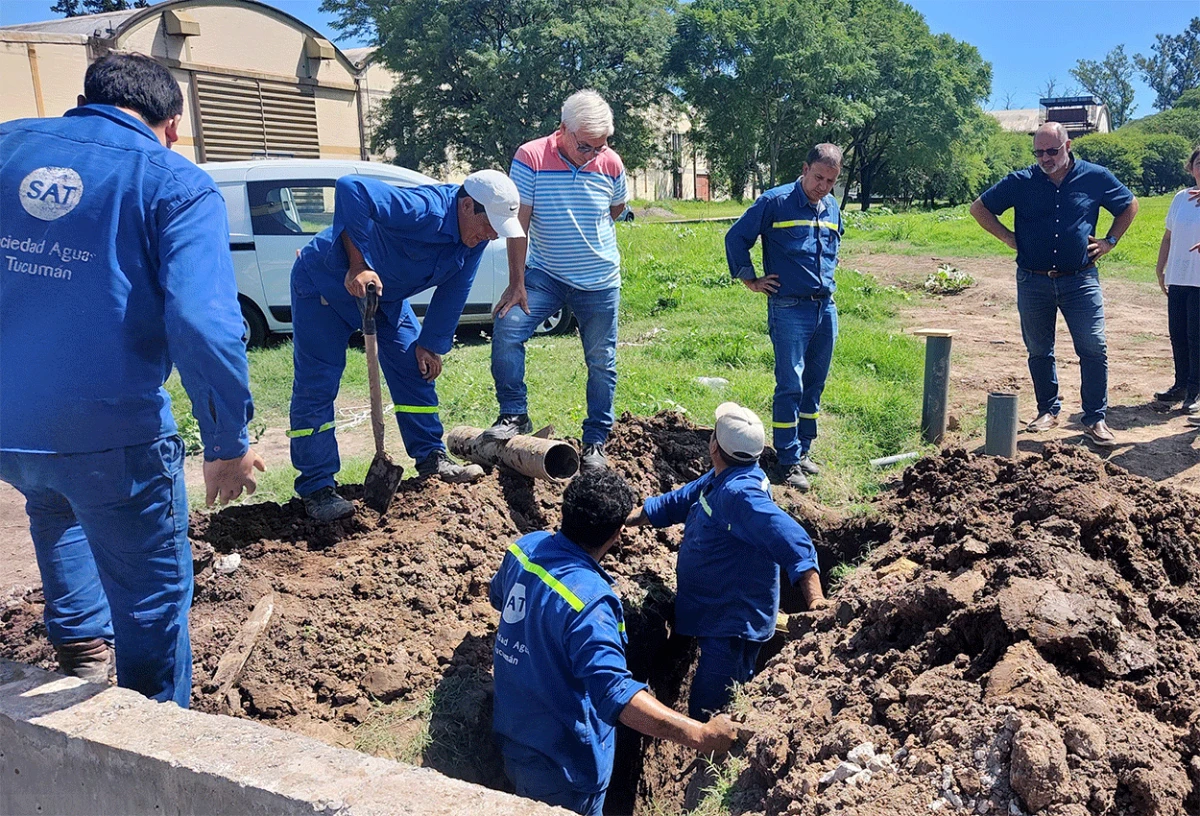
276, 206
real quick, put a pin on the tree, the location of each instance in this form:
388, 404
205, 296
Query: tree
75, 8
1109, 80
1047, 89
480, 77
766, 78
1173, 66
1181, 120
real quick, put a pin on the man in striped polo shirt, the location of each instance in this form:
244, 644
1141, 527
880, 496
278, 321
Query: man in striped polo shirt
572, 186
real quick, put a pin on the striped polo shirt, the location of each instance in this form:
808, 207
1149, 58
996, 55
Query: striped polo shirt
571, 235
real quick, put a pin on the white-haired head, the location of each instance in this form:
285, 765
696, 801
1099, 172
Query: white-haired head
586, 114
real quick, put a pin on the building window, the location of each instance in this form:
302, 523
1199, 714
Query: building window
249, 118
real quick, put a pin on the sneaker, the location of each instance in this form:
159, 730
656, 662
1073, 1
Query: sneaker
90, 660
1194, 420
326, 505
1100, 435
1191, 404
507, 426
439, 464
808, 465
1173, 394
794, 477
593, 457
1043, 423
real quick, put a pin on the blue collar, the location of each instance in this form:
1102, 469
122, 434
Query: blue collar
450, 222
116, 115
569, 548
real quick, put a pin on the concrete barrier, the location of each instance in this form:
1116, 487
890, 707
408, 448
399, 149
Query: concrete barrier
67, 747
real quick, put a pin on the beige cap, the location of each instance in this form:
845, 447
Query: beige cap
500, 199
739, 432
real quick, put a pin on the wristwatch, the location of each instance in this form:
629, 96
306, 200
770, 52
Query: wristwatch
1112, 239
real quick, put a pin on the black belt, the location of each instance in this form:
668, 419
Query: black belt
818, 296
1057, 273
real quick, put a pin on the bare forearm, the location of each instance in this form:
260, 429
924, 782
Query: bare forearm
1164, 250
638, 518
1122, 221
517, 247
810, 588
991, 225
646, 715
357, 262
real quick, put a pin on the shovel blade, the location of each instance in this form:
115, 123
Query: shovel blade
383, 478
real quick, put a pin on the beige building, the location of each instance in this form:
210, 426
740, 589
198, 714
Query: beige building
1080, 115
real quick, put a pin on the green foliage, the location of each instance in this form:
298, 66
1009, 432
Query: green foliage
1109, 80
1120, 153
1173, 66
1163, 163
480, 77
948, 279
1182, 120
75, 8
1148, 163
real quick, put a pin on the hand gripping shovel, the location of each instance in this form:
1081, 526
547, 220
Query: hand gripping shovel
384, 475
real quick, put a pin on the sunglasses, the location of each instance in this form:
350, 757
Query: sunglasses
587, 149
1049, 151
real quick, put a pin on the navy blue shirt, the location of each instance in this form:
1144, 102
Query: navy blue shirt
800, 240
116, 265
559, 661
735, 539
1053, 223
409, 236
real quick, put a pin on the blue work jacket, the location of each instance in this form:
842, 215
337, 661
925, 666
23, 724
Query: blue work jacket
800, 241
1052, 224
735, 539
559, 660
116, 265
409, 236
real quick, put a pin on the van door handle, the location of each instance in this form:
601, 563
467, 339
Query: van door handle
241, 246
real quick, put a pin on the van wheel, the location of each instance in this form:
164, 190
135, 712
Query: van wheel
560, 322
254, 325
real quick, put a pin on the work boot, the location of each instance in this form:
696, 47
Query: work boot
1173, 394
1191, 404
794, 477
1100, 435
439, 464
593, 457
808, 465
1044, 422
90, 660
507, 426
326, 505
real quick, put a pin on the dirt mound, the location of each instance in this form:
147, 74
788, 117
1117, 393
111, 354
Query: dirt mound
1026, 641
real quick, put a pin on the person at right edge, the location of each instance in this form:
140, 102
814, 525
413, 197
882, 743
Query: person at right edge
801, 228
1057, 204
1178, 272
735, 540
124, 249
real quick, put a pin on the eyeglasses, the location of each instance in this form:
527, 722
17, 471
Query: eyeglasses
586, 149
1049, 151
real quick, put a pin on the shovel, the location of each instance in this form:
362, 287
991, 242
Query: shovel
383, 477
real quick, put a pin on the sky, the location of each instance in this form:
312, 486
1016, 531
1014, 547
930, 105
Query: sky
1026, 41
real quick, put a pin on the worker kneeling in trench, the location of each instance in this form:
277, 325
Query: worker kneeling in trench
559, 661
735, 538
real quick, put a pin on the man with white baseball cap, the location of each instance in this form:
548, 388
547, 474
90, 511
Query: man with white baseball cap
735, 539
400, 241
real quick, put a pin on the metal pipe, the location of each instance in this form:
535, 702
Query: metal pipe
528, 455
937, 385
1001, 439
884, 461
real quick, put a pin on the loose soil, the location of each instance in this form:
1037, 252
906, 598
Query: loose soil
1021, 638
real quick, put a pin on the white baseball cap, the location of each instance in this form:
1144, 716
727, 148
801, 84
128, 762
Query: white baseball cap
500, 199
739, 433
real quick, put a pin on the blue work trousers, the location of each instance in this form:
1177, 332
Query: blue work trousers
723, 662
803, 332
1183, 323
110, 533
1078, 297
596, 313
536, 777
320, 333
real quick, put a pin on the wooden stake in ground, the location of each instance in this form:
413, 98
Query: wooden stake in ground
229, 667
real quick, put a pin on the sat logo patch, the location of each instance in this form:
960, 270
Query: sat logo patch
514, 606
49, 193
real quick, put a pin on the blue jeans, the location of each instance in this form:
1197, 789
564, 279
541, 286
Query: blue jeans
110, 533
536, 778
596, 312
723, 662
1183, 322
803, 332
1078, 296
320, 333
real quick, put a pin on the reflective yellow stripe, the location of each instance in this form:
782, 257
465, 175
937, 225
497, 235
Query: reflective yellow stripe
292, 434
809, 416
621, 627
785, 224
783, 424
415, 409
549, 580
704, 504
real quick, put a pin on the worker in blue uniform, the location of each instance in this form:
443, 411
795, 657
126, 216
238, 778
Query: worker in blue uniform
735, 540
116, 266
561, 680
801, 229
402, 240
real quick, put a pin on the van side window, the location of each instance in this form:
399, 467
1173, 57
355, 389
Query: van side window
292, 207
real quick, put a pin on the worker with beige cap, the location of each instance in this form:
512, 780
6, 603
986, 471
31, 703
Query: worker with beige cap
735, 539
